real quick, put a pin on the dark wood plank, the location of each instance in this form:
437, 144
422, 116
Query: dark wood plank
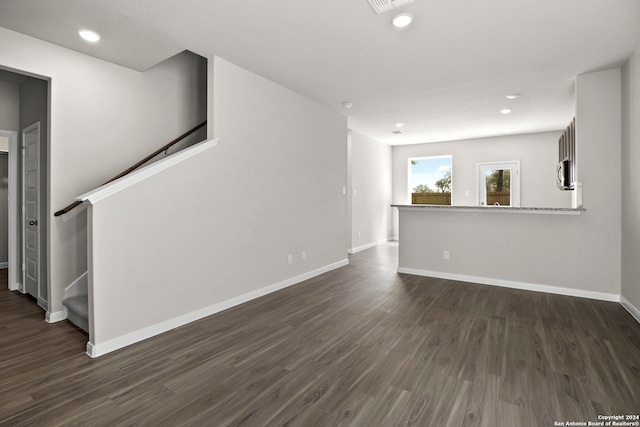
358, 346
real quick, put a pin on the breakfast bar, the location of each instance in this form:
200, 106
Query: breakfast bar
532, 248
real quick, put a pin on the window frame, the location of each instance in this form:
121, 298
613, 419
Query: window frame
440, 156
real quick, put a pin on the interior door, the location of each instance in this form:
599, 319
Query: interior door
30, 209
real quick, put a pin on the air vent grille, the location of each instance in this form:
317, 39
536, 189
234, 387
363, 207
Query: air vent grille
380, 6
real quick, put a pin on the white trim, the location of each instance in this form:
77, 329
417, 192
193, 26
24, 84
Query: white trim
4, 264
513, 284
367, 246
514, 189
127, 181
633, 310
56, 316
362, 248
92, 351
95, 350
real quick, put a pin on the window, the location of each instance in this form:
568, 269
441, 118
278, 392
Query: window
430, 180
499, 184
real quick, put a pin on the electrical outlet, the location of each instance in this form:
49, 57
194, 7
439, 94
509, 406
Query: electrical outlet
303, 255
290, 259
445, 254
358, 234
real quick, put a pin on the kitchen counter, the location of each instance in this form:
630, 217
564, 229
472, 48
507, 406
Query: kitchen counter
493, 209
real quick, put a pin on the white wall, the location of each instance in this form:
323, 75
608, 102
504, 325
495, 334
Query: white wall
577, 255
103, 118
598, 161
538, 155
369, 191
631, 181
272, 187
284, 157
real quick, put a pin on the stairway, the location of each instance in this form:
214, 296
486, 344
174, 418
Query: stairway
78, 311
76, 301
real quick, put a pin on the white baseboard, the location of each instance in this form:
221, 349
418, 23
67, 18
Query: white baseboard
633, 310
56, 316
513, 284
95, 350
362, 248
369, 245
4, 265
15, 286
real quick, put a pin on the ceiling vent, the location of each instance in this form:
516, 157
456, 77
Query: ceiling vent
380, 6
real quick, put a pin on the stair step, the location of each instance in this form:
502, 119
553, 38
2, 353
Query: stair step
79, 304
78, 311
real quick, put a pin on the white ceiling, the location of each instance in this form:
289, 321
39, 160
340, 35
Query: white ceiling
445, 76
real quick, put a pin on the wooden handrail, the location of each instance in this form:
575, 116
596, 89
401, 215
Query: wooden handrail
136, 166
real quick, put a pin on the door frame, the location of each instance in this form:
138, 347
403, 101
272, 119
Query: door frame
515, 180
13, 283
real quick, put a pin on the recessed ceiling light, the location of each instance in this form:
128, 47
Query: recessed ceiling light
347, 105
505, 110
399, 125
90, 36
514, 95
402, 20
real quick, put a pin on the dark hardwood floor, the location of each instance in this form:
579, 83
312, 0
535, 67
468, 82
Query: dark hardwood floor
359, 346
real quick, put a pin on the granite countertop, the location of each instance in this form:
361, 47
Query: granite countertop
501, 209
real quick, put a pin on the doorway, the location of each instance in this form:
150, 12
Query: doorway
25, 118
